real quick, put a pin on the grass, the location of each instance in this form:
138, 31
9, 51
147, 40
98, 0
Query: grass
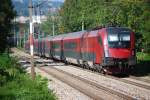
15, 84
143, 65
24, 88
143, 56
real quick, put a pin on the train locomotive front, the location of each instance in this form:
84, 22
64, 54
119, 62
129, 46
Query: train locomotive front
119, 50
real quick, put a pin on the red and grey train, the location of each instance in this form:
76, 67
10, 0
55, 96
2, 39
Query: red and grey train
109, 49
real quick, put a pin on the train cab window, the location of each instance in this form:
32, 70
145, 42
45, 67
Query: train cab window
119, 38
125, 37
113, 38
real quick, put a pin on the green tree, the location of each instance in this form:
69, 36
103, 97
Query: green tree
92, 13
6, 15
52, 23
134, 14
145, 29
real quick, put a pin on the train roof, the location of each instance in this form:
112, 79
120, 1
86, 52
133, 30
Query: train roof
49, 37
74, 35
69, 35
119, 28
79, 34
59, 37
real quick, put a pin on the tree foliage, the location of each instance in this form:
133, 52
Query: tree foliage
134, 14
6, 16
52, 24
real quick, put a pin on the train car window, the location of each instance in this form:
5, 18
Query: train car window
70, 45
56, 46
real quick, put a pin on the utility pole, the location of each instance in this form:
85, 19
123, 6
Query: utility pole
38, 12
53, 28
82, 25
53, 19
17, 39
83, 20
24, 40
14, 32
31, 41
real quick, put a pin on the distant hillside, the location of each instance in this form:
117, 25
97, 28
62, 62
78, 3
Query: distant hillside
21, 6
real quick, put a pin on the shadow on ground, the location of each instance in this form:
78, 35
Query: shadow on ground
141, 69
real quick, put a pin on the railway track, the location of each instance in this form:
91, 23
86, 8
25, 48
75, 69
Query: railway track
135, 80
93, 85
120, 79
89, 88
140, 79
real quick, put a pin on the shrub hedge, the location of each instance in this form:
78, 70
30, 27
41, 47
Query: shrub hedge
15, 84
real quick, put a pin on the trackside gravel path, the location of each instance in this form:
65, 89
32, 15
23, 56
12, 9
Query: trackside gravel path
62, 90
128, 89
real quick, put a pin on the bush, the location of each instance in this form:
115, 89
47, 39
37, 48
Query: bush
23, 88
143, 56
16, 85
9, 69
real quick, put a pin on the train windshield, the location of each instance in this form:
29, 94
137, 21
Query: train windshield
118, 38
113, 37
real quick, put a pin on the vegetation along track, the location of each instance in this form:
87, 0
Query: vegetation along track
89, 88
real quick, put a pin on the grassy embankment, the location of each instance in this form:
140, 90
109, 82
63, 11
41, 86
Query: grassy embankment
15, 84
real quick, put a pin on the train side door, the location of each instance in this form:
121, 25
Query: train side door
44, 47
84, 47
62, 50
52, 49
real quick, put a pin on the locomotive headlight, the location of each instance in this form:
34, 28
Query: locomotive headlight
109, 61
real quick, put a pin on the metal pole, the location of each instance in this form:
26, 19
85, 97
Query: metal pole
20, 38
53, 19
24, 39
31, 41
14, 32
82, 25
83, 21
17, 38
39, 31
53, 28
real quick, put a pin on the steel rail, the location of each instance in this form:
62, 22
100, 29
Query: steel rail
93, 84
